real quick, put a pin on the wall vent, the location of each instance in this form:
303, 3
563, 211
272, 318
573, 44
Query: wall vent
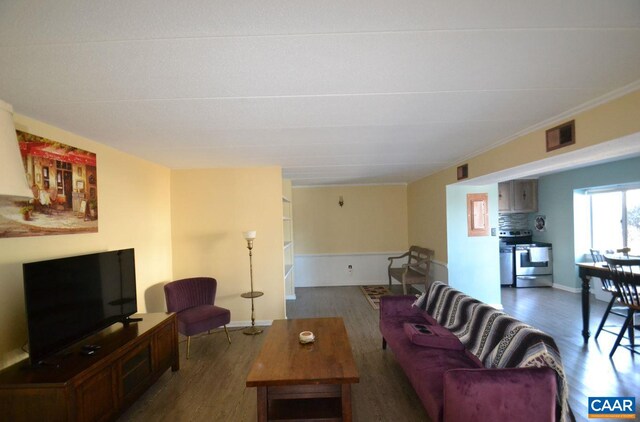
561, 136
463, 171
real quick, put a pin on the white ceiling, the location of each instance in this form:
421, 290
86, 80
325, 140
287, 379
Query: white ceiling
350, 91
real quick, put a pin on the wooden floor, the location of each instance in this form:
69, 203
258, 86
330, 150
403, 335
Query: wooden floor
210, 386
589, 370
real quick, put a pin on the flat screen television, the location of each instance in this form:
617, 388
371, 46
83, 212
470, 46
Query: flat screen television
68, 299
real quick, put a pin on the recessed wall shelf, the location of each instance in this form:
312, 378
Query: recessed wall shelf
287, 223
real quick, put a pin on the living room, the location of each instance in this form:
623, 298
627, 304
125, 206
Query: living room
187, 220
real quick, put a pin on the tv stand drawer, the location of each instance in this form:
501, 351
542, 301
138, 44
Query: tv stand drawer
136, 370
97, 398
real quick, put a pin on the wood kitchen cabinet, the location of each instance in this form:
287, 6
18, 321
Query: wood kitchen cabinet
504, 197
519, 196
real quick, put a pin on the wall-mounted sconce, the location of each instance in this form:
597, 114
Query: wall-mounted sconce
341, 201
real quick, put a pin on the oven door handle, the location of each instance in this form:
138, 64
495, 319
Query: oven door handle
527, 277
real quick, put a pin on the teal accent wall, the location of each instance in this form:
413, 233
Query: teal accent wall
474, 262
555, 200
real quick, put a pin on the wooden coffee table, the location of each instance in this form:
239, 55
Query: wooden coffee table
305, 381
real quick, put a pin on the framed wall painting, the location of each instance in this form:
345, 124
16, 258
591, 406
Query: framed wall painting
57, 174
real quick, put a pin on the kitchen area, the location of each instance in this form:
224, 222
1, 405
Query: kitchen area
524, 262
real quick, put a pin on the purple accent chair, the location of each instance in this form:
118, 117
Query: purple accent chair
192, 299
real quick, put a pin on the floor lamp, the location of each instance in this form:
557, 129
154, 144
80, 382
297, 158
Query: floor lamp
253, 330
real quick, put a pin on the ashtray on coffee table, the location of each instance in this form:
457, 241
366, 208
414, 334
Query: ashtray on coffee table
306, 337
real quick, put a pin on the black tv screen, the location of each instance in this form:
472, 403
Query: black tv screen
68, 299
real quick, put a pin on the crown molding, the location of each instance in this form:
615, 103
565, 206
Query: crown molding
559, 118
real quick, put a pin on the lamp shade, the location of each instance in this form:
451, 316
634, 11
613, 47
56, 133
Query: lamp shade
249, 235
13, 181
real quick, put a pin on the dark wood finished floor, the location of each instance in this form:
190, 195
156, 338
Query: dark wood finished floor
211, 385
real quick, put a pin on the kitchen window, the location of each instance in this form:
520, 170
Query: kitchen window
615, 218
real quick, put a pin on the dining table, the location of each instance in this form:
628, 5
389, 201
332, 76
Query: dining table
587, 270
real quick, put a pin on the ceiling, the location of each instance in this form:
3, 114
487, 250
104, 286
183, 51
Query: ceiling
335, 92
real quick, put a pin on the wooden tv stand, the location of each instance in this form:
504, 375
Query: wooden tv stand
76, 387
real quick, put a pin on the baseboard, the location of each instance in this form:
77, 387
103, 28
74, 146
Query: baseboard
419, 287
290, 297
341, 269
324, 270
567, 289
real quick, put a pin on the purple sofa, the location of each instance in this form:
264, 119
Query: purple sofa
501, 369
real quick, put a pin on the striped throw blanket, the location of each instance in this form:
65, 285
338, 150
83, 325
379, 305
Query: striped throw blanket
497, 339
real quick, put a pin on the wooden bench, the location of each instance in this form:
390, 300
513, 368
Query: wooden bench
416, 270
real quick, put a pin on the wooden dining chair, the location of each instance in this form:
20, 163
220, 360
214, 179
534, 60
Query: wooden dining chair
607, 286
625, 274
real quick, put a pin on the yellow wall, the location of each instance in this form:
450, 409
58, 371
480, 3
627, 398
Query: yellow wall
133, 201
190, 222
373, 219
210, 210
427, 213
426, 197
606, 122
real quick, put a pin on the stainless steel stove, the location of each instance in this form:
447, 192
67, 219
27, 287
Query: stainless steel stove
523, 262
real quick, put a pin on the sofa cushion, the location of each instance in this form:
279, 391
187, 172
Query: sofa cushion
432, 336
201, 318
481, 395
426, 374
392, 329
523, 346
424, 366
398, 308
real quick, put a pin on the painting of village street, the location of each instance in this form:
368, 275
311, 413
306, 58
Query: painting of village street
63, 180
